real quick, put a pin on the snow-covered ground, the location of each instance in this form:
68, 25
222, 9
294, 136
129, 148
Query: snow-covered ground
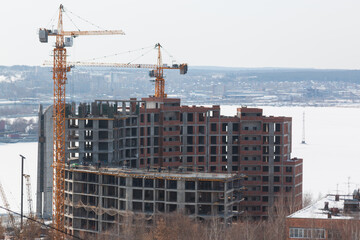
330, 155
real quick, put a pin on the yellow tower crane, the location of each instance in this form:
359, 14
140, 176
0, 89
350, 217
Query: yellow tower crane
63, 39
158, 73
157, 70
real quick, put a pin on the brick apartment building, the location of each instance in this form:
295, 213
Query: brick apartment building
333, 217
160, 133
200, 139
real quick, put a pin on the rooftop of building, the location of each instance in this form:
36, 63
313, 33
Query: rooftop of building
156, 173
332, 206
105, 109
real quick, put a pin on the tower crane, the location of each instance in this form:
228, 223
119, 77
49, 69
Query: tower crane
157, 70
29, 198
158, 73
7, 206
63, 39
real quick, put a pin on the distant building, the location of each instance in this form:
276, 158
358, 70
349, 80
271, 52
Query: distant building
333, 217
2, 125
45, 159
160, 133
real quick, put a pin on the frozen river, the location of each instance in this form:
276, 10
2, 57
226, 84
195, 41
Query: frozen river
330, 155
331, 152
10, 172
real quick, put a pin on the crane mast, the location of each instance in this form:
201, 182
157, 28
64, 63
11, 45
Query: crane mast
28, 190
59, 77
159, 81
6, 204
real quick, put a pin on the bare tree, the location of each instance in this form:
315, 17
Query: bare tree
19, 125
307, 199
348, 229
275, 224
246, 229
215, 229
31, 230
132, 227
2, 229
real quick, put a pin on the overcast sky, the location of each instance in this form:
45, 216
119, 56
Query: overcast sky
233, 33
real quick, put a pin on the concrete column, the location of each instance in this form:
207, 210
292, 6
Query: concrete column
229, 145
225, 200
95, 141
196, 198
100, 203
129, 194
181, 195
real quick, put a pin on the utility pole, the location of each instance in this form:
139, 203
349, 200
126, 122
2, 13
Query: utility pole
303, 133
22, 190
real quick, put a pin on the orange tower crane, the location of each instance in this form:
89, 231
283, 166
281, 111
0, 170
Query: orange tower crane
157, 70
158, 73
63, 39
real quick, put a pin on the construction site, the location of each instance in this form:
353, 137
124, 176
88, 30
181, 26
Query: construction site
101, 161
159, 133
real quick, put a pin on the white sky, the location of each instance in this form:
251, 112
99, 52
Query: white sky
234, 33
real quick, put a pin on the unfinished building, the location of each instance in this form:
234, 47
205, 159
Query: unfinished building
161, 133
98, 199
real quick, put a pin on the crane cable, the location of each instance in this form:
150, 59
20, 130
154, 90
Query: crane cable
173, 60
72, 21
116, 54
52, 20
131, 51
140, 56
83, 19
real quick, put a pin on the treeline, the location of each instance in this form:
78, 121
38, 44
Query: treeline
171, 226
181, 227
168, 226
31, 230
21, 125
